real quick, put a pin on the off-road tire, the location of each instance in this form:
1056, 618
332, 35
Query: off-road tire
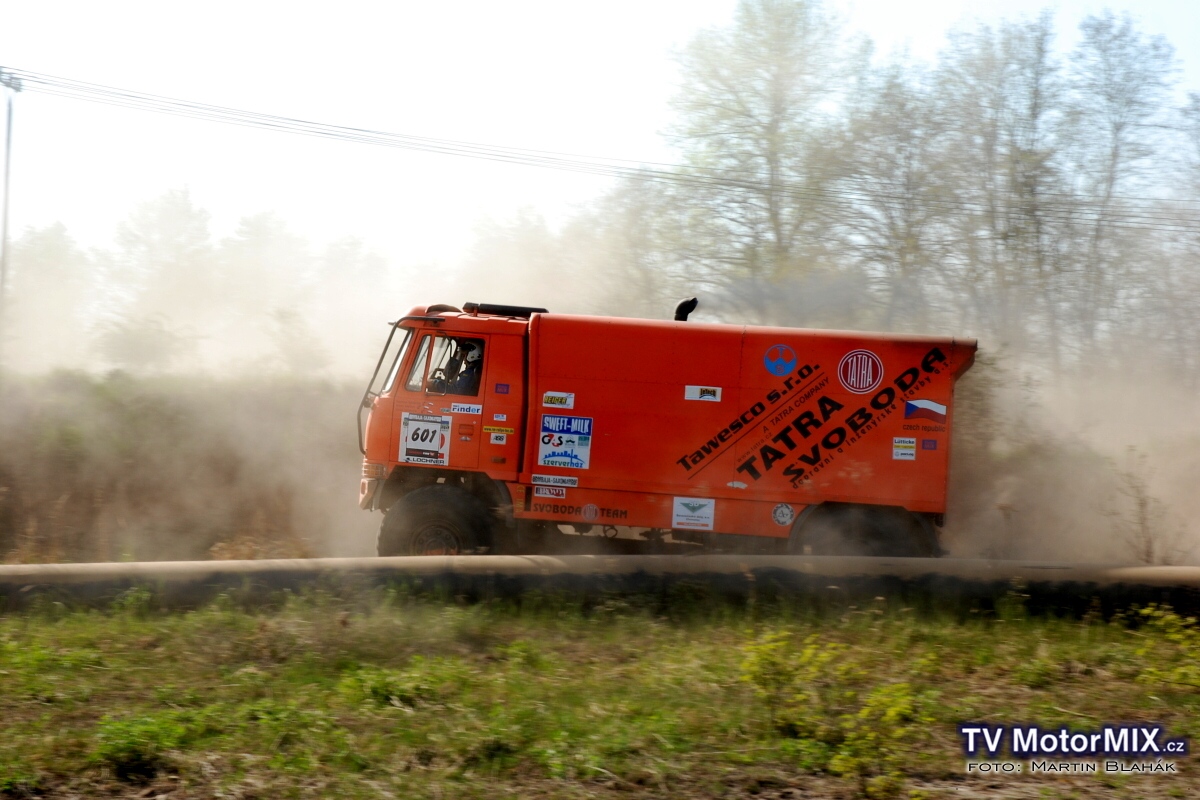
844, 529
435, 520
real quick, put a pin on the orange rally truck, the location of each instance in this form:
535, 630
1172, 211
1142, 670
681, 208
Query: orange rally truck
491, 427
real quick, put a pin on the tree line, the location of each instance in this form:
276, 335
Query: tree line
1046, 202
1043, 201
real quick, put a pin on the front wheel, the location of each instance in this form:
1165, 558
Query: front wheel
435, 520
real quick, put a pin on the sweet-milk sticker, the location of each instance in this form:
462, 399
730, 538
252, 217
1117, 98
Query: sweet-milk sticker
465, 408
565, 442
693, 513
559, 399
424, 439
904, 449
558, 492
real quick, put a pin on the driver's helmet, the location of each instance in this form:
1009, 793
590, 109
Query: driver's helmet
473, 352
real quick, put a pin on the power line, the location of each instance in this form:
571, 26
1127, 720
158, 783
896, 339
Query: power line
1134, 212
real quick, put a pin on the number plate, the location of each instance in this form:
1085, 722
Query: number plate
425, 439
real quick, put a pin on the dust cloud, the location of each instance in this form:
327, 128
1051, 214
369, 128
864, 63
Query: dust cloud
188, 392
183, 393
1095, 466
210, 413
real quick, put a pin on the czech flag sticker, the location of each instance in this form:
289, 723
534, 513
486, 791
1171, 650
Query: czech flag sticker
924, 409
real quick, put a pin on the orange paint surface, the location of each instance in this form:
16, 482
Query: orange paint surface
684, 425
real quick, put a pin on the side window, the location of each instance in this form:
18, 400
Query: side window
455, 366
416, 375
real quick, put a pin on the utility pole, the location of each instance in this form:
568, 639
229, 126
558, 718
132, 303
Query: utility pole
12, 85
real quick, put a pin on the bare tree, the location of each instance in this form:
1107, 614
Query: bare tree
1144, 525
756, 120
1121, 81
164, 261
1001, 92
894, 201
52, 304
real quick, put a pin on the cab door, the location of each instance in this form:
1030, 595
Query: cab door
439, 420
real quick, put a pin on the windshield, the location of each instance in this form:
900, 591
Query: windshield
393, 356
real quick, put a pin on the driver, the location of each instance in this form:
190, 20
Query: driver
467, 380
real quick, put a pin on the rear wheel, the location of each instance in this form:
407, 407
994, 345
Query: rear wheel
435, 520
843, 529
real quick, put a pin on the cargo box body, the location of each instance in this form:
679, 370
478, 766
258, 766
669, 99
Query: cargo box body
724, 428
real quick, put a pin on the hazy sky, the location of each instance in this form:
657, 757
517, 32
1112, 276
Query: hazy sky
591, 78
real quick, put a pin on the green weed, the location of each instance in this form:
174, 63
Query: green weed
136, 748
1172, 648
819, 695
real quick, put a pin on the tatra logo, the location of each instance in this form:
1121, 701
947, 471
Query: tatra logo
860, 371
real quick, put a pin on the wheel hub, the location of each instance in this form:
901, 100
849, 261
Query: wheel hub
436, 540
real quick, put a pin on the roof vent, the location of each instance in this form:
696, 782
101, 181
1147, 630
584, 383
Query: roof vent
525, 312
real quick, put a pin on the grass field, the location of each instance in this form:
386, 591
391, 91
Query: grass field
386, 695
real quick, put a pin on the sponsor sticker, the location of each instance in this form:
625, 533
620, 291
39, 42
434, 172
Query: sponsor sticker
783, 514
497, 429
904, 448
465, 408
501, 388
424, 439
590, 512
500, 417
710, 393
693, 513
555, 480
860, 371
565, 442
779, 359
841, 424
929, 444
559, 399
557, 492
924, 409
498, 438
